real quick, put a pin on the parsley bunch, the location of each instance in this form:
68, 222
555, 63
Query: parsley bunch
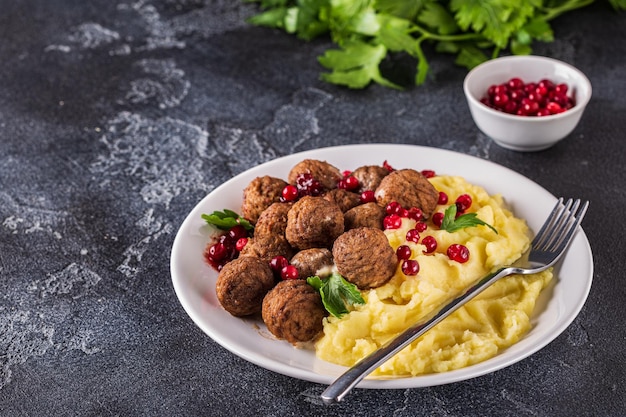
369, 31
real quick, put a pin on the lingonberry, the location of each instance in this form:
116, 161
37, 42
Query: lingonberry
237, 232
410, 267
428, 173
241, 243
443, 198
217, 252
413, 235
458, 253
393, 208
289, 272
420, 226
277, 263
463, 203
348, 183
403, 252
289, 193
437, 219
415, 213
367, 196
430, 244
393, 221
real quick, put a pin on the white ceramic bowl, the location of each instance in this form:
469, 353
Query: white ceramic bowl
525, 133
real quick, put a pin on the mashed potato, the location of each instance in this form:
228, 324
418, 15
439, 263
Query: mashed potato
495, 319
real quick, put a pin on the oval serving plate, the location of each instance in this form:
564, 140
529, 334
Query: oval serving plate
194, 280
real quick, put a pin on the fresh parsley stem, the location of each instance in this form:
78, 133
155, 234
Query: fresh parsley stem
444, 38
554, 12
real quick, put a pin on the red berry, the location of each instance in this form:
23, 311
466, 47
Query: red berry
561, 89
387, 166
346, 173
443, 198
553, 107
430, 244
413, 235
237, 232
290, 193
403, 252
437, 219
289, 272
415, 213
367, 196
277, 263
463, 203
241, 243
458, 253
218, 252
393, 207
428, 173
515, 83
421, 226
410, 267
393, 221
352, 183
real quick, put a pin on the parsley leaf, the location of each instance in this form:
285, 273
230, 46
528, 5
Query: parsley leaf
451, 223
226, 219
337, 293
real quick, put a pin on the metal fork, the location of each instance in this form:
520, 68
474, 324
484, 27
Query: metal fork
545, 250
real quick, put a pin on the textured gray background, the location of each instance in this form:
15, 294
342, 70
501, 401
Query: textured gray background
116, 118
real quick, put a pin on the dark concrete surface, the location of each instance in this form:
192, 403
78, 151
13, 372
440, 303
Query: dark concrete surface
116, 118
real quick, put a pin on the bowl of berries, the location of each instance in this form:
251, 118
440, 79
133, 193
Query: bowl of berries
526, 103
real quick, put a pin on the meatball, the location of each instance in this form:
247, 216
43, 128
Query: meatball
293, 311
343, 198
364, 257
309, 261
365, 215
313, 222
267, 246
327, 174
242, 285
260, 193
273, 220
370, 176
410, 189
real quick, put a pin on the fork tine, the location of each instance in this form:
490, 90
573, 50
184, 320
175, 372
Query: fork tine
567, 237
560, 225
545, 231
569, 213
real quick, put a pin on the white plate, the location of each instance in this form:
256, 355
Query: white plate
194, 281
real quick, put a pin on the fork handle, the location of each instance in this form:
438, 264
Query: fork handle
343, 384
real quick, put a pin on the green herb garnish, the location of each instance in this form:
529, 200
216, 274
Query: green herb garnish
226, 219
337, 293
451, 223
372, 34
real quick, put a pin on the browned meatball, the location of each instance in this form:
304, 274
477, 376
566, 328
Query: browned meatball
260, 193
327, 174
273, 220
410, 189
309, 261
365, 215
267, 246
364, 257
343, 198
313, 222
293, 311
370, 176
242, 285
